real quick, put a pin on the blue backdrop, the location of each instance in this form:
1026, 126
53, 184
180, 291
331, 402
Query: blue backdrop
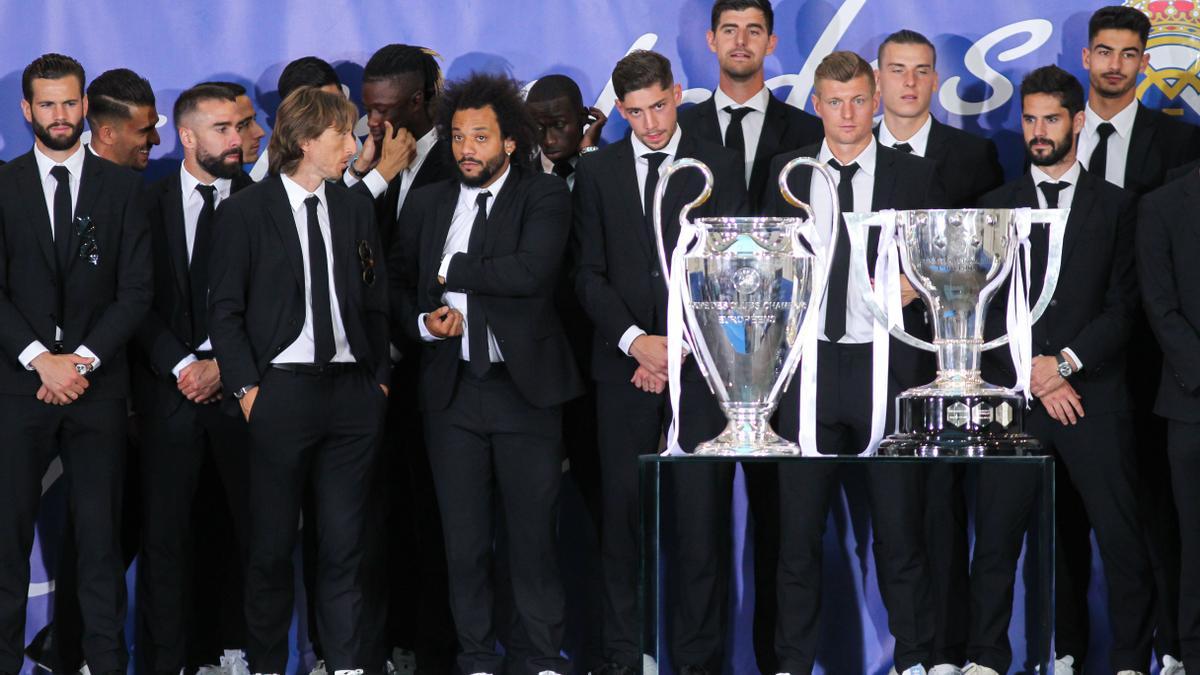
983, 51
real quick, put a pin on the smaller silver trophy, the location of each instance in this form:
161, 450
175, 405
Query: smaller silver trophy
741, 290
957, 259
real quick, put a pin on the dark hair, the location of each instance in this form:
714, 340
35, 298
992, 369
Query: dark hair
306, 71
50, 67
1119, 18
115, 92
843, 66
191, 98
639, 69
395, 60
554, 87
1056, 82
503, 95
237, 89
906, 37
305, 114
721, 6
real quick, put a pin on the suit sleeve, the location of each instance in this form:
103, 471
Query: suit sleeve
228, 281
154, 336
15, 332
135, 282
1179, 339
990, 174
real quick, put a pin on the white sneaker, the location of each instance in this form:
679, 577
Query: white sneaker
912, 670
1064, 665
976, 669
1130, 672
233, 662
85, 670
549, 672
945, 669
649, 665
1172, 666
318, 669
356, 671
207, 670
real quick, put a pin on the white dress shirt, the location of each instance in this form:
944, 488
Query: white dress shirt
752, 123
860, 325
548, 167
377, 185
1118, 143
74, 164
919, 140
642, 166
1064, 202
193, 204
458, 237
304, 348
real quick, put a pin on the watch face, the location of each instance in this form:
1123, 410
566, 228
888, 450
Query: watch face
1064, 369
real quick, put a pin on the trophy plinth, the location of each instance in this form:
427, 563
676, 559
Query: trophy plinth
978, 424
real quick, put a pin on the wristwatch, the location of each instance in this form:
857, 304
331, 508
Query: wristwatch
589, 149
240, 393
355, 172
1065, 367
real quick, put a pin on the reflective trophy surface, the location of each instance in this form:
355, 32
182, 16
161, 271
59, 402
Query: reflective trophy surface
957, 259
746, 286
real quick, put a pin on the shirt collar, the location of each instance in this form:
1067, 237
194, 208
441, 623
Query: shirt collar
756, 102
188, 183
919, 140
1122, 121
548, 166
672, 146
467, 194
1071, 176
74, 163
425, 143
296, 194
865, 159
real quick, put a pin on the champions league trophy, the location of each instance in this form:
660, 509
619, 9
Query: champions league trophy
956, 260
739, 295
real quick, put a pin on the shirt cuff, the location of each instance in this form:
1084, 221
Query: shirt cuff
425, 334
375, 183
88, 354
34, 350
445, 266
632, 333
1071, 355
183, 363
348, 176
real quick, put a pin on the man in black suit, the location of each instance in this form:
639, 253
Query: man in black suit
298, 321
622, 288
122, 118
1166, 255
1079, 369
475, 276
177, 382
76, 274
968, 167
742, 114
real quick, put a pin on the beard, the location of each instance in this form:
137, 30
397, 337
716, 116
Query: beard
58, 143
490, 168
216, 166
1107, 90
1059, 150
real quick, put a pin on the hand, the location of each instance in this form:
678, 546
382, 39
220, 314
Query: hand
61, 383
398, 152
1064, 404
367, 158
591, 137
648, 382
444, 322
386, 391
200, 382
1044, 377
247, 402
651, 354
907, 292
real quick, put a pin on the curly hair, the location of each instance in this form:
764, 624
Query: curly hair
503, 95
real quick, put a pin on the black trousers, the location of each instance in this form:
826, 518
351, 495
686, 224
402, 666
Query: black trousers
897, 506
322, 430
176, 448
1183, 448
1097, 455
489, 440
630, 423
89, 436
949, 560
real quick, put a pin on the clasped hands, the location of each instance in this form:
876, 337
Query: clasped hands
651, 354
1058, 397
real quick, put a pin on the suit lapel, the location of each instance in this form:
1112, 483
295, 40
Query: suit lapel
342, 247
171, 206
35, 203
884, 189
502, 203
709, 127
1081, 206
280, 211
935, 148
679, 192
1141, 141
626, 177
443, 216
90, 185
775, 127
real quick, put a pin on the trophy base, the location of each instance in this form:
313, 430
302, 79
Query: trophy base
748, 434
988, 423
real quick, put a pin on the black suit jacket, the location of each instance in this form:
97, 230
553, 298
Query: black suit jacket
785, 128
104, 302
902, 182
256, 303
165, 336
1168, 246
438, 166
514, 277
619, 279
1095, 306
1159, 143
968, 165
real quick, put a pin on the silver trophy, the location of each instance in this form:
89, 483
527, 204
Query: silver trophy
745, 285
957, 259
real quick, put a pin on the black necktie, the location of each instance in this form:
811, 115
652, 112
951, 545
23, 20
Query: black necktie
62, 232
735, 136
655, 159
563, 169
904, 147
201, 253
477, 330
1098, 164
839, 275
318, 274
1039, 238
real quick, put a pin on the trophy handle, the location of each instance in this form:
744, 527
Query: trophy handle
1056, 220
858, 225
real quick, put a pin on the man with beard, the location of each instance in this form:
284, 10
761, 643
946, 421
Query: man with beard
248, 128
75, 281
1081, 409
474, 282
122, 118
177, 382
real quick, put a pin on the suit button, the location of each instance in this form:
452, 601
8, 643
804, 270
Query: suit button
654, 273
1054, 303
186, 314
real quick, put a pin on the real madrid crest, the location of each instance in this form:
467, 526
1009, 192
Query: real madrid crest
1171, 80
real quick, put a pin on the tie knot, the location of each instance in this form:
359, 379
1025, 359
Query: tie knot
209, 192
482, 198
1105, 130
310, 202
563, 168
846, 171
737, 114
904, 147
60, 173
655, 159
1051, 191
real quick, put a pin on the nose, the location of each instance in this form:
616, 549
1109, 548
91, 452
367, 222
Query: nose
154, 137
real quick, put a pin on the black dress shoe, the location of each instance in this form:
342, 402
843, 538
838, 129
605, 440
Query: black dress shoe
693, 670
45, 651
611, 668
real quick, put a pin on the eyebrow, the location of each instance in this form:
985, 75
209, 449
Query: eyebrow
1101, 45
735, 25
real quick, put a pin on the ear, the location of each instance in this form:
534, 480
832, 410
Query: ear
1145, 60
84, 104
677, 92
186, 138
711, 38
937, 81
27, 110
772, 42
1079, 120
620, 108
1087, 58
106, 133
510, 146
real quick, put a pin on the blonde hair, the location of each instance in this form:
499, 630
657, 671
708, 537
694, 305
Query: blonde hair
304, 115
842, 67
